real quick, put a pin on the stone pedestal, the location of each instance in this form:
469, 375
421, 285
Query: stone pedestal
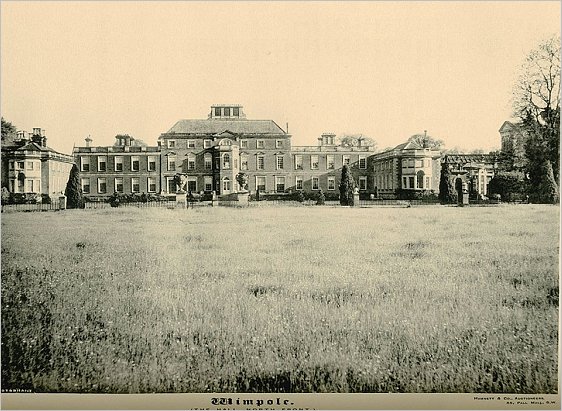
356, 199
181, 200
243, 198
464, 198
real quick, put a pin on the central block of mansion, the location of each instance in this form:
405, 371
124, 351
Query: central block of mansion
212, 151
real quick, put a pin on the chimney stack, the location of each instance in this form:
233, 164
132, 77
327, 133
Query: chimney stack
88, 141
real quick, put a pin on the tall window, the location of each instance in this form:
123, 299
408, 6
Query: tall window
260, 183
227, 111
420, 175
151, 163
362, 162
260, 165
170, 185
411, 181
192, 184
362, 183
330, 162
171, 163
260, 144
84, 163
208, 183
208, 161
235, 111
280, 184
298, 182
102, 163
346, 160
85, 184
331, 183
315, 183
217, 111
225, 184
102, 185
135, 163
226, 160
135, 185
243, 162
314, 162
191, 162
118, 184
151, 184
298, 162
118, 163
280, 160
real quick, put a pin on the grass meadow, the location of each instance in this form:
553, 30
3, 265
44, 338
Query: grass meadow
281, 299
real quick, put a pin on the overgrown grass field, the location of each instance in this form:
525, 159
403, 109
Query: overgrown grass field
281, 299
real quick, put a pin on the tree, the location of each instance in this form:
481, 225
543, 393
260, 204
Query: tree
73, 192
8, 131
447, 192
425, 141
536, 101
346, 187
352, 140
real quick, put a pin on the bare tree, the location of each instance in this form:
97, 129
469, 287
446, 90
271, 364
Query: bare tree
537, 91
426, 141
352, 140
536, 100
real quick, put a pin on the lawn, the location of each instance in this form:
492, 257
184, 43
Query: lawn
281, 299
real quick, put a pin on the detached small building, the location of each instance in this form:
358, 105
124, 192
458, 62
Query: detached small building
407, 171
29, 166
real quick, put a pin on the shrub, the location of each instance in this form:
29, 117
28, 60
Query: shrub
73, 192
346, 187
321, 198
510, 185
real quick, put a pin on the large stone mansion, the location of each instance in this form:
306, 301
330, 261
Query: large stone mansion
211, 152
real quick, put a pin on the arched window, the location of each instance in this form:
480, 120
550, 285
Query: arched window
420, 174
226, 160
225, 185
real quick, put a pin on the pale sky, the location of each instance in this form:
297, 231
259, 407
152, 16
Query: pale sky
387, 70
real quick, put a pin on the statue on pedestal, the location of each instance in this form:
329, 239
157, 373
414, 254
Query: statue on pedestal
181, 182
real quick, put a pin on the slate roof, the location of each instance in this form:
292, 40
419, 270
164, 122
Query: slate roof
409, 145
215, 126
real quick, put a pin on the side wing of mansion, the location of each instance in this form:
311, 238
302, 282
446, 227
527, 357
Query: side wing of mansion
211, 152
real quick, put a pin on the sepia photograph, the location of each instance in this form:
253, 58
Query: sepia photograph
280, 204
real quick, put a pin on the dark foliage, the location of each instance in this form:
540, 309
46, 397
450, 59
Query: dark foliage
346, 187
447, 192
73, 192
321, 198
510, 185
